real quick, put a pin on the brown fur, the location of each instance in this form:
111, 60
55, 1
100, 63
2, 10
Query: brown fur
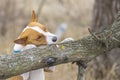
30, 36
34, 17
39, 25
16, 78
33, 37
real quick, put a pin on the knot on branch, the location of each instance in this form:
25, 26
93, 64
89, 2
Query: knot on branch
50, 61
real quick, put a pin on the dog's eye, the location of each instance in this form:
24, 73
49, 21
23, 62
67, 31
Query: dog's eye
38, 37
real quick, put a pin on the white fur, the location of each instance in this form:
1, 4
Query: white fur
18, 47
29, 46
48, 35
36, 74
26, 76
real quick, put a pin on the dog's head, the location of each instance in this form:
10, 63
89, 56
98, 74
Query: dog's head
35, 34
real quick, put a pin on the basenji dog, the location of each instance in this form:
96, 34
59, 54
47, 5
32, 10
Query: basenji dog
33, 35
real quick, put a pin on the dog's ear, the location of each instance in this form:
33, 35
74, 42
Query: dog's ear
21, 40
34, 17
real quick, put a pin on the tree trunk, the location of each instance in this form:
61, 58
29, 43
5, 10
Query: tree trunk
104, 67
104, 13
84, 50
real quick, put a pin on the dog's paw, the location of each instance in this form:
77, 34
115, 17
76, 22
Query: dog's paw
29, 46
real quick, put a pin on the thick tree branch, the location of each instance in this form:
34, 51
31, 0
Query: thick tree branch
84, 49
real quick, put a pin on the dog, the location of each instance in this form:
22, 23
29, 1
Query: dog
34, 35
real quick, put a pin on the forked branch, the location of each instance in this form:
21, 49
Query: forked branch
84, 49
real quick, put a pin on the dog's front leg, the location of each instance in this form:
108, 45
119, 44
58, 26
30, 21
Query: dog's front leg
25, 76
37, 75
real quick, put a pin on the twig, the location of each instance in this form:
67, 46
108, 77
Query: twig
94, 36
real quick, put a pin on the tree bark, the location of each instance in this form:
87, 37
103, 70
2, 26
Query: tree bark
104, 67
84, 49
104, 13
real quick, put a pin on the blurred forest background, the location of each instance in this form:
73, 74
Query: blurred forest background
16, 14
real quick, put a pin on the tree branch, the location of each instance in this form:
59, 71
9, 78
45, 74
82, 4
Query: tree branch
84, 49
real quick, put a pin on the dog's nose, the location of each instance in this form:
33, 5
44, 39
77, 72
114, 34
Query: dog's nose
54, 39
